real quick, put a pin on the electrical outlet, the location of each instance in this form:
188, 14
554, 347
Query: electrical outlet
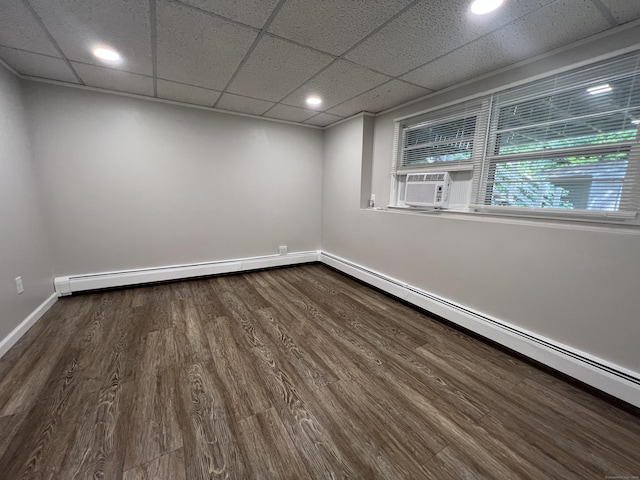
19, 286
283, 249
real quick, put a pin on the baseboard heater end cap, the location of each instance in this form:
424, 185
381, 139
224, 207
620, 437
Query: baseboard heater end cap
62, 286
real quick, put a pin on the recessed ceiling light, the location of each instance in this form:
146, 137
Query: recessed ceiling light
106, 54
635, 122
480, 7
314, 101
599, 89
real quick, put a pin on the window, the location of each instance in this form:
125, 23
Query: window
449, 140
565, 146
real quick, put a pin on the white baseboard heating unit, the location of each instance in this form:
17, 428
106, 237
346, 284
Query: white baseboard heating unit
95, 281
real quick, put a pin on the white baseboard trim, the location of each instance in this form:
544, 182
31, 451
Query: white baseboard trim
94, 281
613, 379
10, 340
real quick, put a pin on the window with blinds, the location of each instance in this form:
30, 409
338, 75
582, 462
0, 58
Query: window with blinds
447, 139
566, 146
568, 143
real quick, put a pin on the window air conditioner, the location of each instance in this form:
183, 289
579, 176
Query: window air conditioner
427, 189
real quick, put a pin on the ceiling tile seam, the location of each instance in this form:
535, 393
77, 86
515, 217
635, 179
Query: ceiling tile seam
356, 96
119, 70
161, 100
30, 51
527, 61
154, 45
341, 56
350, 117
186, 84
112, 69
298, 108
52, 40
280, 102
379, 27
302, 45
429, 92
414, 84
340, 117
10, 68
602, 8
320, 113
366, 67
475, 40
253, 46
212, 14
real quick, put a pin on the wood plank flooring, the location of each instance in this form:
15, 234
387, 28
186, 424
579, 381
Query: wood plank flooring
292, 373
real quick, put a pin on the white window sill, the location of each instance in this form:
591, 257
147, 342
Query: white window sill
518, 218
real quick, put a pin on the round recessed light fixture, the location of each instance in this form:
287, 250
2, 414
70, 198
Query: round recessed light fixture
107, 54
314, 101
480, 7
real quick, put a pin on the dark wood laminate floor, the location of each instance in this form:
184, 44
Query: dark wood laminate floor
287, 374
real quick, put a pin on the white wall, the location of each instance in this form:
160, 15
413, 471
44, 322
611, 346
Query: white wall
23, 246
574, 284
130, 183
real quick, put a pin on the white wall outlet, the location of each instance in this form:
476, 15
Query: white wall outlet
283, 249
19, 286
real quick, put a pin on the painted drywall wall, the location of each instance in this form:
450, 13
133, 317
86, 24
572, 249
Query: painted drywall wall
23, 246
574, 284
130, 183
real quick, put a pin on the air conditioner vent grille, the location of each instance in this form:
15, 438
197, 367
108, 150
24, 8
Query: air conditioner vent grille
426, 177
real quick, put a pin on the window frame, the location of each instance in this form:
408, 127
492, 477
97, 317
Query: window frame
484, 158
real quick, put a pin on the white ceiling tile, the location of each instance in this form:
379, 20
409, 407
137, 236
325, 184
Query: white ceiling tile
339, 82
36, 65
250, 12
275, 68
475, 59
114, 79
323, 120
332, 25
80, 26
18, 29
236, 103
186, 93
198, 49
431, 29
550, 27
623, 10
293, 114
380, 98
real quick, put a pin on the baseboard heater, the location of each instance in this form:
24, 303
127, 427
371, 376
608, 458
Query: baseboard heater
80, 283
613, 379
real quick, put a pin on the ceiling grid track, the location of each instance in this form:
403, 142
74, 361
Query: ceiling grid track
52, 40
341, 56
598, 4
212, 14
605, 12
261, 34
449, 52
376, 43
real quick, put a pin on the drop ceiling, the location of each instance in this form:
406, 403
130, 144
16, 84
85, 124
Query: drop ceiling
264, 57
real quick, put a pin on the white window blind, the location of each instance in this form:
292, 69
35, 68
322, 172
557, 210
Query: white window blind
567, 143
448, 139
